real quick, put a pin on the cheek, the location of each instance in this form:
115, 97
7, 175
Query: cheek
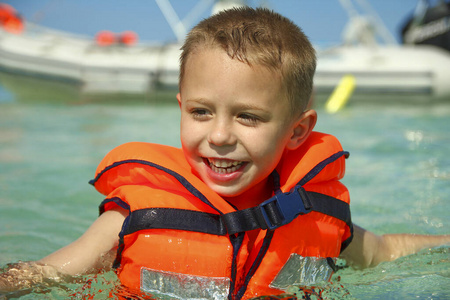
191, 137
187, 141
270, 149
265, 153
187, 131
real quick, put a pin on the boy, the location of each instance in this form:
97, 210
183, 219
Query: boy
194, 223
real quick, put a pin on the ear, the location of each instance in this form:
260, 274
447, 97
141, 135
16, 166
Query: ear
301, 129
179, 99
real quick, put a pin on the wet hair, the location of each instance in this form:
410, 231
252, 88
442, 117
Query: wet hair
259, 37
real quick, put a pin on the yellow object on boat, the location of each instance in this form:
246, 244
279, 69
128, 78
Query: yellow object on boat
341, 94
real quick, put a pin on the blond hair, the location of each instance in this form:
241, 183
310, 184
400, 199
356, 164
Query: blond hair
259, 37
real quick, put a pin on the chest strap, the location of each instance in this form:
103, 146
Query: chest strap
277, 211
283, 208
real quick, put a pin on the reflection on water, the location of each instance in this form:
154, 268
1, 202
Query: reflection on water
397, 173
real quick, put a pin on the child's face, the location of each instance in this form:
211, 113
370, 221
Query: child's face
235, 121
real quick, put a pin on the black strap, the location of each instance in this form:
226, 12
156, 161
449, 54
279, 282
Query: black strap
273, 213
331, 206
174, 218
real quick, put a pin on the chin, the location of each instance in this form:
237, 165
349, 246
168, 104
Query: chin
227, 193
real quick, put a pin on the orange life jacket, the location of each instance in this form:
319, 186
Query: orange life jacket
183, 240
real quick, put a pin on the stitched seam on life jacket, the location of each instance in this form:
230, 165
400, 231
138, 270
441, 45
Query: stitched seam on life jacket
256, 263
347, 242
236, 242
121, 245
320, 166
276, 182
187, 185
116, 200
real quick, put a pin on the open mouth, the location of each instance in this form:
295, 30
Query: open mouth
224, 166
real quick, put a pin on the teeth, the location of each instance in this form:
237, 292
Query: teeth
224, 166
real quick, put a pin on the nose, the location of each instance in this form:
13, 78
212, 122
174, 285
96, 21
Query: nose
221, 133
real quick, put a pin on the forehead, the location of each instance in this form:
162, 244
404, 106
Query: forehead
211, 68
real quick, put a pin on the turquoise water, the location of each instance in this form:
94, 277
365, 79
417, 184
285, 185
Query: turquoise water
398, 174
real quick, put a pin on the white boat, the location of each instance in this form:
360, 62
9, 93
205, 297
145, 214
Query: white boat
386, 73
382, 71
60, 56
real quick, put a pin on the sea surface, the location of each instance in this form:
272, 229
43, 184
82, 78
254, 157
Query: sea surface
398, 174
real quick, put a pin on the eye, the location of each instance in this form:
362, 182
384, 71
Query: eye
200, 114
249, 119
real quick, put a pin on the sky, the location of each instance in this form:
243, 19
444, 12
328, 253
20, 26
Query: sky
322, 20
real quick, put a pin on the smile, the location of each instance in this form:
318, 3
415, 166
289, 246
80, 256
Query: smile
224, 166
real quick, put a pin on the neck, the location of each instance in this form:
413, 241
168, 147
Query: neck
253, 196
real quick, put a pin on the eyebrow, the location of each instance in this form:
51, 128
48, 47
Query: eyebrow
198, 100
243, 106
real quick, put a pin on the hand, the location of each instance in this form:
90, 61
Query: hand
23, 275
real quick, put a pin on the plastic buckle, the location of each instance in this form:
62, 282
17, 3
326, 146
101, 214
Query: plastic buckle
289, 205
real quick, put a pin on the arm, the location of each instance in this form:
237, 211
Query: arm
90, 253
368, 249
